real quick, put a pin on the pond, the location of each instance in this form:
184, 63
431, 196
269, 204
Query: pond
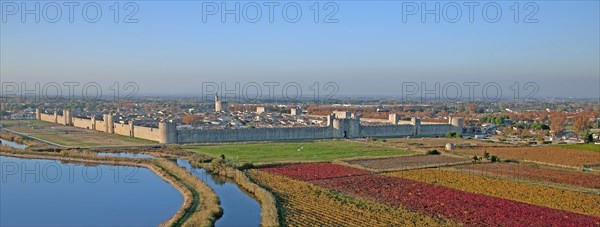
13, 144
239, 206
37, 192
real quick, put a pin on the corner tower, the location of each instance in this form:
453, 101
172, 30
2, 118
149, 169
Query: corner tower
167, 132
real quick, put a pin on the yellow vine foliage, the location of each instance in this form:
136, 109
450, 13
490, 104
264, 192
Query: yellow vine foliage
578, 202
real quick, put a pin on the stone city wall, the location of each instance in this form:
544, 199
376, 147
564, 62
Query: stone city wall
346, 126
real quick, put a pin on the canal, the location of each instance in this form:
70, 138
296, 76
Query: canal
13, 144
239, 207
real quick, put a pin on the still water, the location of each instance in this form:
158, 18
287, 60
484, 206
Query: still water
239, 207
13, 144
37, 192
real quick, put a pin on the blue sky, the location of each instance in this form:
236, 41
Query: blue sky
370, 50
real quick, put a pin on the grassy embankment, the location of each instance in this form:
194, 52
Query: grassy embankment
71, 136
18, 139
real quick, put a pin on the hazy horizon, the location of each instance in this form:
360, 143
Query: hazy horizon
365, 48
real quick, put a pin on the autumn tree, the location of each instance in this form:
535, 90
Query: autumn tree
558, 120
584, 120
472, 107
191, 119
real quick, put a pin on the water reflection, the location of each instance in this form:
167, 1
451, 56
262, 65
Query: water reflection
239, 207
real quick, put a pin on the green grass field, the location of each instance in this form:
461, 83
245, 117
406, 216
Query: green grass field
296, 151
585, 147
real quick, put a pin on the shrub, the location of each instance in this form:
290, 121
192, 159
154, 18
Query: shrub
589, 138
494, 158
246, 166
486, 155
433, 152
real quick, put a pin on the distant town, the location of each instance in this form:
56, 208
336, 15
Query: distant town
509, 122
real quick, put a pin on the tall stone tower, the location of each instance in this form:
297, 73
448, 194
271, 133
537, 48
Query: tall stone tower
345, 126
167, 132
416, 122
109, 124
93, 122
131, 128
67, 117
330, 119
220, 105
457, 122
38, 114
394, 118
296, 111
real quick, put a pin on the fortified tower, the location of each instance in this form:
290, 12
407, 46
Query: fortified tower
109, 124
394, 118
330, 119
416, 125
131, 128
457, 122
93, 119
345, 124
70, 117
296, 111
55, 117
38, 114
67, 117
167, 132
